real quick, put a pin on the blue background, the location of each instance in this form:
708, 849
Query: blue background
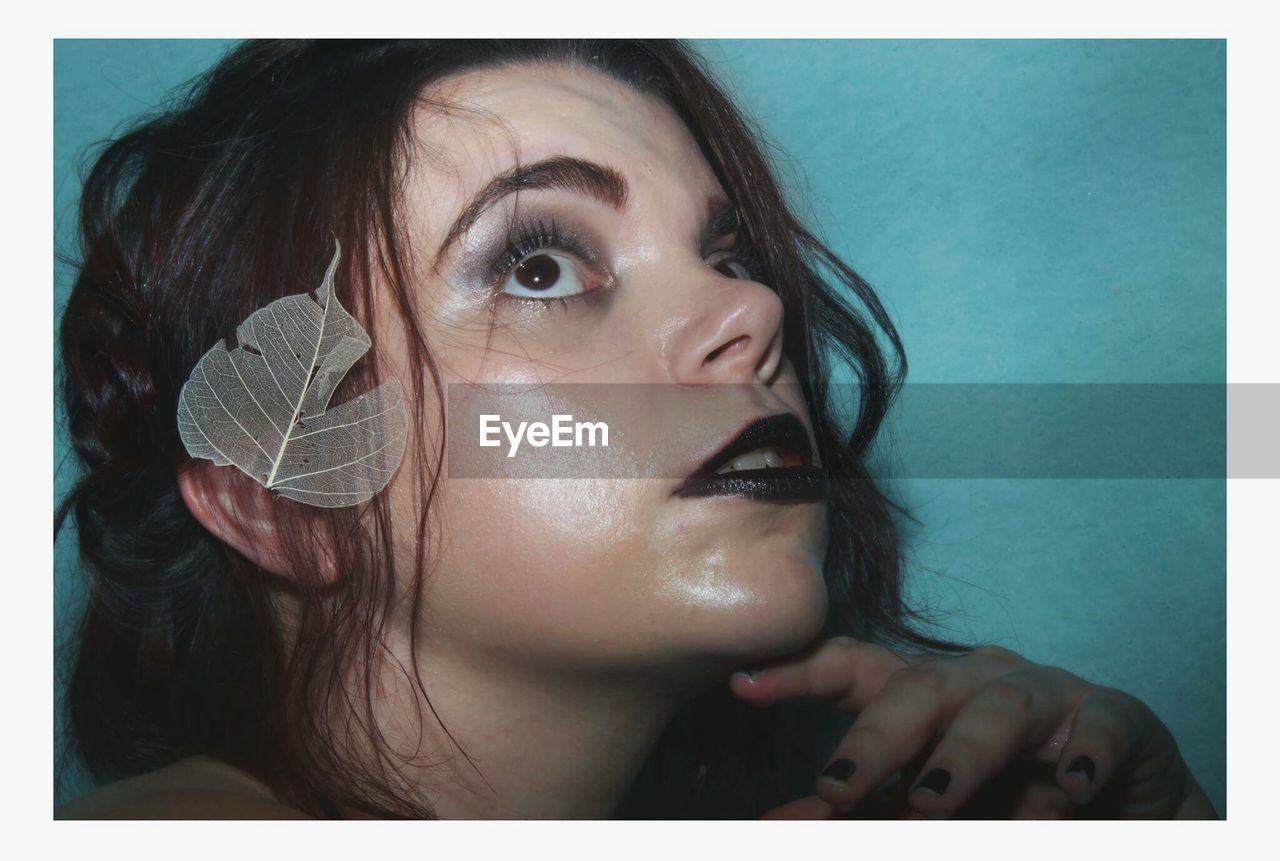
1031, 211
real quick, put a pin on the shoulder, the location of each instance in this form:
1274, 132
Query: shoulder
195, 788
174, 804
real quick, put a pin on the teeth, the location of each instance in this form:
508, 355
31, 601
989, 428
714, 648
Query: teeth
761, 458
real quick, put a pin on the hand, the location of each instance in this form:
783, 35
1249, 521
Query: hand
986, 734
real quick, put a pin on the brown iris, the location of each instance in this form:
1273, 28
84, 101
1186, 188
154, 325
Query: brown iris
539, 272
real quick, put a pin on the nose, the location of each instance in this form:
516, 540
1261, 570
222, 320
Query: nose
733, 335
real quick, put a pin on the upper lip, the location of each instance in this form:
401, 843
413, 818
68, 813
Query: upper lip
781, 430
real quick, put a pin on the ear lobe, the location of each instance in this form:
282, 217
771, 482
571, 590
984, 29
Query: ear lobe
240, 512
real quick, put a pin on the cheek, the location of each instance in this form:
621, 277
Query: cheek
601, 573
540, 566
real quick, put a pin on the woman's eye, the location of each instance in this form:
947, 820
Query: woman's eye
730, 266
544, 275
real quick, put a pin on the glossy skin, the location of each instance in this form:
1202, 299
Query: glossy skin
610, 602
566, 621
598, 573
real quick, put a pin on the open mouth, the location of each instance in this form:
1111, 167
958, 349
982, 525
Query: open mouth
771, 460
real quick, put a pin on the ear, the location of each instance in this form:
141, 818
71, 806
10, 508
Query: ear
241, 512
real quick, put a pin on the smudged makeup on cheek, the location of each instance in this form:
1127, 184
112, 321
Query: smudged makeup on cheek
713, 552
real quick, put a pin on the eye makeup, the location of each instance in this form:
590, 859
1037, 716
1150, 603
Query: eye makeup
493, 262
538, 234
745, 255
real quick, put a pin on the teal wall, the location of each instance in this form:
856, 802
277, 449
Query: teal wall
1031, 211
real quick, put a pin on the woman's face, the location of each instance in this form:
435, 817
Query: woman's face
610, 569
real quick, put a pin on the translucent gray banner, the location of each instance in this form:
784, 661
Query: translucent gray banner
660, 431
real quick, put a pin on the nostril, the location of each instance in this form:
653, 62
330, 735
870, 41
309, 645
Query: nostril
737, 343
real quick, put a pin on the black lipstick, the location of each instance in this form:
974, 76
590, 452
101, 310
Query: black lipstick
796, 480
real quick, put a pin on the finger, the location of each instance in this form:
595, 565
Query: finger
848, 671
1042, 801
809, 807
1003, 720
891, 731
902, 723
1106, 731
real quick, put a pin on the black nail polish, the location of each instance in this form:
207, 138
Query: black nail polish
935, 781
841, 769
1083, 765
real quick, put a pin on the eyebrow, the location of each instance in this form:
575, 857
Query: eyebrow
559, 172
576, 175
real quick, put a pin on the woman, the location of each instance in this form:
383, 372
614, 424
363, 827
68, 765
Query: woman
520, 213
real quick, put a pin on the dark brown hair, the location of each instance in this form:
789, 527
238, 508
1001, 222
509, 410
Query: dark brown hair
230, 198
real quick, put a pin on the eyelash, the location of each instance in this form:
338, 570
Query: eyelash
745, 253
536, 236
539, 235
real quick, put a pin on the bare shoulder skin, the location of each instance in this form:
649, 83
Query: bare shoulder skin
195, 788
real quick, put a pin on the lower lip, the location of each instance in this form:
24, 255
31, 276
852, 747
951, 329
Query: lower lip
784, 484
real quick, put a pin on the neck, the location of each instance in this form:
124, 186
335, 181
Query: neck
542, 745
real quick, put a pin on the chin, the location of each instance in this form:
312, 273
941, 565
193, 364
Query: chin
752, 605
788, 614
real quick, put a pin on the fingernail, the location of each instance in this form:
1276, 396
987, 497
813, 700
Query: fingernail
935, 781
1083, 766
842, 769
